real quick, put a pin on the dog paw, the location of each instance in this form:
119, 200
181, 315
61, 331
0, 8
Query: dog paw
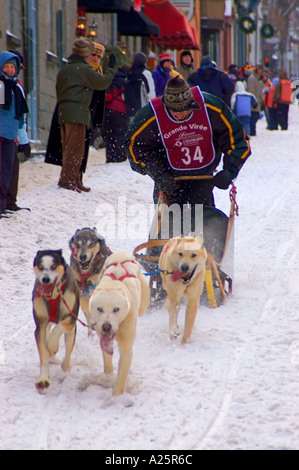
65, 366
117, 391
41, 385
173, 334
186, 339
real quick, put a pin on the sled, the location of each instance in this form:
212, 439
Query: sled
218, 234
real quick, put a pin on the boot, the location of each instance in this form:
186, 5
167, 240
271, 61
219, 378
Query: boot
80, 184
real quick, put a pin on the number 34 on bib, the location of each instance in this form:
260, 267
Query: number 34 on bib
188, 158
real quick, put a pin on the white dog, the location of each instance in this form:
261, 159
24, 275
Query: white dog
121, 295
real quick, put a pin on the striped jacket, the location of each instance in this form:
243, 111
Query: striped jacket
147, 154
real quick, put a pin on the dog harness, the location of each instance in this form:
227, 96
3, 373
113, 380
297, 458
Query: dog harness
85, 276
126, 275
53, 305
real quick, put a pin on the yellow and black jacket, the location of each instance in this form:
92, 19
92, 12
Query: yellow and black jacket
147, 154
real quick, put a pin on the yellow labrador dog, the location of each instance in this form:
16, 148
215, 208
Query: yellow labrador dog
121, 295
182, 263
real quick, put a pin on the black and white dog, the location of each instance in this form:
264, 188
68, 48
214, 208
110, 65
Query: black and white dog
55, 309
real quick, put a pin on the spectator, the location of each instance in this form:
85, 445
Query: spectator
255, 86
241, 105
161, 74
98, 100
12, 192
139, 86
12, 121
116, 121
75, 84
266, 85
233, 73
186, 67
212, 80
283, 99
271, 105
54, 149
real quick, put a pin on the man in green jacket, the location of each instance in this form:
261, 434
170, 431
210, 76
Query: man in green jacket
187, 133
75, 84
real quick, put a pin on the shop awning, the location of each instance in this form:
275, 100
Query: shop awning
134, 23
175, 30
104, 6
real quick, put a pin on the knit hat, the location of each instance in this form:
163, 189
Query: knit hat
178, 96
13, 61
164, 56
140, 59
83, 47
98, 47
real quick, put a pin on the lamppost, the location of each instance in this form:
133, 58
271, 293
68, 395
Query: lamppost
265, 11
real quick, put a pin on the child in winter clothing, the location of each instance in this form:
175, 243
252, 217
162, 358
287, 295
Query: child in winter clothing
12, 121
241, 103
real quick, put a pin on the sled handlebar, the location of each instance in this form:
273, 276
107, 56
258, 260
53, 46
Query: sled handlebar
190, 178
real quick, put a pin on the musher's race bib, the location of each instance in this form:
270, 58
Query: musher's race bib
189, 143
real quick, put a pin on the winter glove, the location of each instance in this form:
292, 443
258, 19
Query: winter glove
25, 149
223, 179
112, 61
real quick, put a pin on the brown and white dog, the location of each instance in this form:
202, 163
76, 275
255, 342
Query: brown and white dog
121, 295
182, 263
89, 252
55, 310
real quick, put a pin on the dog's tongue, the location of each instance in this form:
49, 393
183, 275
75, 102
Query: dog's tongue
44, 290
106, 343
177, 275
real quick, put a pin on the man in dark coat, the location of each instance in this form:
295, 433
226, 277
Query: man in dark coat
186, 132
75, 84
212, 80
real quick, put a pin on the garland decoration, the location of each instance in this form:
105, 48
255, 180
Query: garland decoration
247, 25
267, 31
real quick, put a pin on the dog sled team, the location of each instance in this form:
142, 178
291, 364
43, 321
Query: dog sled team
113, 292
178, 140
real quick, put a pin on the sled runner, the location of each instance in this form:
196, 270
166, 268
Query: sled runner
218, 234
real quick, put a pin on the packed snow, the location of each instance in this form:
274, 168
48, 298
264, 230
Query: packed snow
234, 386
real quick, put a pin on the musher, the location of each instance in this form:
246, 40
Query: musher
185, 133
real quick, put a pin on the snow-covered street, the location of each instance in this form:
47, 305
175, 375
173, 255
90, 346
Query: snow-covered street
234, 386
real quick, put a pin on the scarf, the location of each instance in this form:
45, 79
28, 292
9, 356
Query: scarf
96, 66
10, 88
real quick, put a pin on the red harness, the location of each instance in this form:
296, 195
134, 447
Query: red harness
53, 305
126, 275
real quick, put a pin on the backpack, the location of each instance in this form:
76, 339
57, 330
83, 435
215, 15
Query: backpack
286, 91
133, 90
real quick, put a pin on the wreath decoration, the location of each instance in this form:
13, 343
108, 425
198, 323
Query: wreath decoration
267, 31
247, 25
